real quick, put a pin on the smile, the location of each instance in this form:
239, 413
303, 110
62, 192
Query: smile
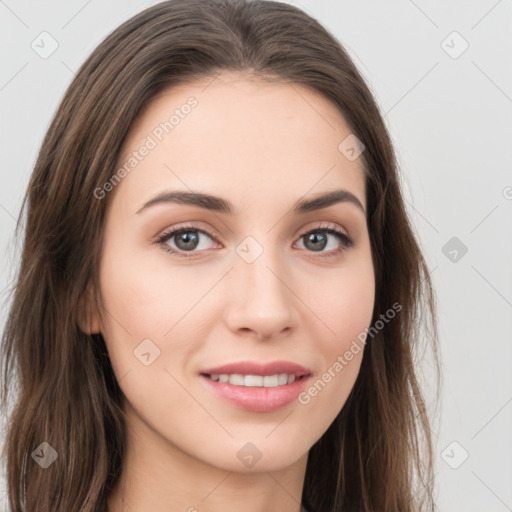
256, 393
267, 381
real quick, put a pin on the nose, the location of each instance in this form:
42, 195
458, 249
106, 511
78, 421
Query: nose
261, 301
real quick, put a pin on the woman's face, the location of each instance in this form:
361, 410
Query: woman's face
253, 278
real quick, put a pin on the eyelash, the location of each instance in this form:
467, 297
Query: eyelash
346, 241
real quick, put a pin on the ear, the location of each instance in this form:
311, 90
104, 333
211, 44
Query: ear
88, 316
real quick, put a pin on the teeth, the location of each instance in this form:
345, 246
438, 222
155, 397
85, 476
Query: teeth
267, 381
236, 379
270, 381
251, 380
282, 378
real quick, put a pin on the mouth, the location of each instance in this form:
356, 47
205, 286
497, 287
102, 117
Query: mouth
257, 387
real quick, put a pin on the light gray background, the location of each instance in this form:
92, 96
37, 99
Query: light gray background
449, 116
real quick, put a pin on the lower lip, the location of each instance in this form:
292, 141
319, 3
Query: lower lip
258, 399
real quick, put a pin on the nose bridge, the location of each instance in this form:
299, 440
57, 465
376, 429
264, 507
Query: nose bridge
260, 297
259, 266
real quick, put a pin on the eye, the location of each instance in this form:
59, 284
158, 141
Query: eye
186, 239
318, 239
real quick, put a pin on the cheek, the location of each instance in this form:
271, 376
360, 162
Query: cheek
141, 302
345, 308
343, 302
355, 301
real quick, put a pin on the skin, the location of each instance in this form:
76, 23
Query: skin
262, 146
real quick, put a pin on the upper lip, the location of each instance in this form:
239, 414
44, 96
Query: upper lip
255, 368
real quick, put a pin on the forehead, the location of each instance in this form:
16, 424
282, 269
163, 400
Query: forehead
239, 134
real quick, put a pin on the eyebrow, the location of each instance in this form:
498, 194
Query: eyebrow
218, 204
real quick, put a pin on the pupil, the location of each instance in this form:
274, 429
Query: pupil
315, 238
190, 241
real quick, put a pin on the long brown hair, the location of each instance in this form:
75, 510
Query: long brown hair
378, 452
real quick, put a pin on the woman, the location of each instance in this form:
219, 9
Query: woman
220, 294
